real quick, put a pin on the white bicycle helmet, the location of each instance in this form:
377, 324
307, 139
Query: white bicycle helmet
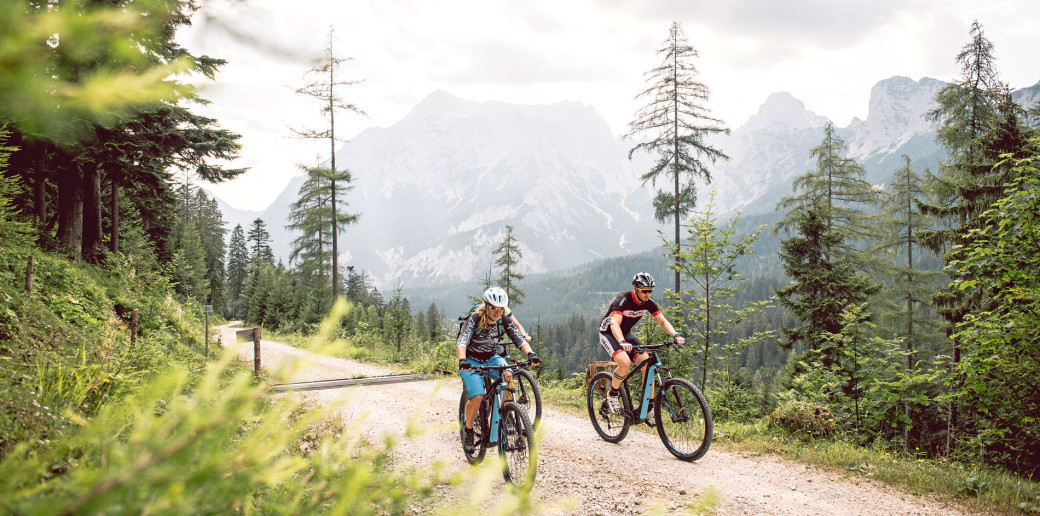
495, 296
643, 280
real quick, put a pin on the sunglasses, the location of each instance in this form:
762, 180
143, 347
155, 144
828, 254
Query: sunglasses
646, 290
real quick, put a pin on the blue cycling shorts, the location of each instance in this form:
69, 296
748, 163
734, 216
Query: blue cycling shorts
473, 382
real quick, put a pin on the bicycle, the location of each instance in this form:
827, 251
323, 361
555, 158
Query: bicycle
501, 422
681, 413
527, 394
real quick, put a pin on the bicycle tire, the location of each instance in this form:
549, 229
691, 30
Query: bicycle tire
527, 394
516, 445
683, 419
611, 427
479, 422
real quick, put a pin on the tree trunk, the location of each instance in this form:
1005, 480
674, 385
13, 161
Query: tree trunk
39, 184
70, 211
93, 249
113, 238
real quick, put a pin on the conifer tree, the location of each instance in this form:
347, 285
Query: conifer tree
311, 215
976, 121
838, 185
237, 270
507, 256
822, 286
260, 242
189, 264
325, 90
678, 124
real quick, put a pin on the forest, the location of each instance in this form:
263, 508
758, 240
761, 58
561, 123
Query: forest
911, 312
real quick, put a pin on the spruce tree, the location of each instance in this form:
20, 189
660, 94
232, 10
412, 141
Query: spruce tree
838, 184
237, 270
507, 256
822, 285
678, 124
260, 243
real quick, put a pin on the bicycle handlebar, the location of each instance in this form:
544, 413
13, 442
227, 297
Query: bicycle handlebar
655, 347
485, 369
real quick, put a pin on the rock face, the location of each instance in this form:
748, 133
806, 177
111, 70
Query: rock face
436, 190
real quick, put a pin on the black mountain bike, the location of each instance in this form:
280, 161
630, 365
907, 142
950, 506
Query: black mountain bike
501, 422
681, 413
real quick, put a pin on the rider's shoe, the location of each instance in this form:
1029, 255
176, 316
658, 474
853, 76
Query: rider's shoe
614, 404
468, 441
650, 415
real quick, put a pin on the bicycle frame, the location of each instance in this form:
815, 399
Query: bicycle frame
652, 365
492, 403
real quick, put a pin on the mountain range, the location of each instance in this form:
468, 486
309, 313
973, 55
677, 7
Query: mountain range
436, 190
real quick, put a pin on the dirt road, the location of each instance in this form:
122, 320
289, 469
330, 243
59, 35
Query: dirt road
578, 473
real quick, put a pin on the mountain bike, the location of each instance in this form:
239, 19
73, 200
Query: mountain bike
501, 422
681, 413
527, 393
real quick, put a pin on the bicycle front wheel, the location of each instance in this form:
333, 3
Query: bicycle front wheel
477, 455
683, 419
610, 426
516, 445
527, 394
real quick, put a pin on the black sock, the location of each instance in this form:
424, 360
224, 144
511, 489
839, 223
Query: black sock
613, 392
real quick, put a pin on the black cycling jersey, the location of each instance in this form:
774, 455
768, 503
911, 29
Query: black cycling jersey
631, 311
483, 344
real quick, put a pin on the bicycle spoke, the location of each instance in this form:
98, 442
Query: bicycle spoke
685, 421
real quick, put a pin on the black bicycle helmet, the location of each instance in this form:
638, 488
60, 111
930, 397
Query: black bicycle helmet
643, 280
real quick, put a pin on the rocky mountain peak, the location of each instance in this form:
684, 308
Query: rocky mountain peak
782, 111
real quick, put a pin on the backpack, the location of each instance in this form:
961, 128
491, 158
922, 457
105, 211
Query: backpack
502, 350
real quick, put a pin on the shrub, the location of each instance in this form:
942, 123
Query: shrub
800, 417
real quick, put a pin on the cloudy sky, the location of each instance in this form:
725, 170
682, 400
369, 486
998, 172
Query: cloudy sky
827, 53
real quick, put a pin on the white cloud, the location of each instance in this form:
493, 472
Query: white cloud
827, 54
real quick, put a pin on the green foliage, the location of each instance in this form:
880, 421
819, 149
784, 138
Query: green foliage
999, 367
731, 398
804, 418
679, 126
12, 231
66, 67
507, 256
706, 312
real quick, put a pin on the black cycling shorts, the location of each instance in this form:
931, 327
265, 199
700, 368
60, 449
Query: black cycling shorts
613, 347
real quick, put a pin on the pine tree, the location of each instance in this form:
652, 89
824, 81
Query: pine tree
838, 184
507, 256
908, 287
976, 120
311, 216
189, 264
822, 286
324, 89
434, 321
679, 124
260, 240
237, 270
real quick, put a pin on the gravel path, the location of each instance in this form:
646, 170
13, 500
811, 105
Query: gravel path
578, 473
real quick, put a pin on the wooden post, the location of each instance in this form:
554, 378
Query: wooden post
256, 351
29, 275
133, 328
595, 367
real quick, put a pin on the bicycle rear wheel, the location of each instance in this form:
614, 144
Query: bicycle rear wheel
516, 445
611, 427
527, 394
683, 419
478, 425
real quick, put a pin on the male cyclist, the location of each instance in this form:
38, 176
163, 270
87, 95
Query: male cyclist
477, 345
616, 338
